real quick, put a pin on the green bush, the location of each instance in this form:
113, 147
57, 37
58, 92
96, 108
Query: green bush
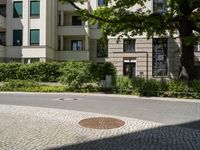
76, 74
8, 71
17, 85
123, 85
42, 72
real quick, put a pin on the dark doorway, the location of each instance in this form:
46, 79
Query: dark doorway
130, 69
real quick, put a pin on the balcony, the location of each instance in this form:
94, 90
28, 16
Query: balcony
68, 7
72, 30
73, 55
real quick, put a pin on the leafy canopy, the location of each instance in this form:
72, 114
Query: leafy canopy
117, 18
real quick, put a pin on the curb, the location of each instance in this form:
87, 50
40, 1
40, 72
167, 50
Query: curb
109, 95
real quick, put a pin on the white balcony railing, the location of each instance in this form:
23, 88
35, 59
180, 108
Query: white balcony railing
73, 55
72, 30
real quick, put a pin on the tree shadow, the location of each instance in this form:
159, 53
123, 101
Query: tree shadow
174, 137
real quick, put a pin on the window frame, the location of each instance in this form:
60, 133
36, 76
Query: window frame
35, 44
129, 50
81, 48
14, 12
31, 14
156, 51
15, 43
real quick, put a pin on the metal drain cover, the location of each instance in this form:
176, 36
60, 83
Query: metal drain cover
67, 99
101, 123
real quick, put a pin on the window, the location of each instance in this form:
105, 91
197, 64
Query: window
160, 50
3, 10
17, 37
129, 45
76, 21
2, 38
17, 9
76, 45
159, 5
35, 8
35, 37
102, 49
101, 3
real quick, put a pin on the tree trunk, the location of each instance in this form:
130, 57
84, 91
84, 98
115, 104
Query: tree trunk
187, 69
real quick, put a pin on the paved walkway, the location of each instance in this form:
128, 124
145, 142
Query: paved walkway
31, 128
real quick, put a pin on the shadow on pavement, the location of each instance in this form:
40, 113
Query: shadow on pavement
175, 137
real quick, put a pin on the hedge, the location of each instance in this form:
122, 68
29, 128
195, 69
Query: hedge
72, 73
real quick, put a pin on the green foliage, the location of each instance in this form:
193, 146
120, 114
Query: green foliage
43, 72
76, 74
123, 85
16, 85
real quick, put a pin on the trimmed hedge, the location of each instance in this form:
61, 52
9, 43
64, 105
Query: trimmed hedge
72, 73
41, 72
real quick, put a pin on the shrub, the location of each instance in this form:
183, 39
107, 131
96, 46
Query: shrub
44, 72
8, 71
123, 85
178, 88
16, 85
77, 73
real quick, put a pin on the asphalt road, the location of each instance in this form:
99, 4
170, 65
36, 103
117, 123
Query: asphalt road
161, 111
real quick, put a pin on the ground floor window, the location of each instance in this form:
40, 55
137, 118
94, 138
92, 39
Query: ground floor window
160, 55
130, 69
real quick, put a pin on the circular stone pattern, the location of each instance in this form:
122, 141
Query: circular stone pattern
101, 123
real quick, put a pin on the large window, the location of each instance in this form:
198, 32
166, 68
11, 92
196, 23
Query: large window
17, 37
129, 45
76, 45
35, 8
17, 9
35, 37
159, 5
160, 64
76, 21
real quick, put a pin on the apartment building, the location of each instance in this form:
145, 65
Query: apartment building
48, 30
45, 30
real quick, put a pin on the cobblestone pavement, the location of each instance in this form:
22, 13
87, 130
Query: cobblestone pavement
31, 128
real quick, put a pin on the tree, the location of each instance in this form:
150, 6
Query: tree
181, 17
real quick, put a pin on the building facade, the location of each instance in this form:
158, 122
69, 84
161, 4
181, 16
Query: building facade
48, 30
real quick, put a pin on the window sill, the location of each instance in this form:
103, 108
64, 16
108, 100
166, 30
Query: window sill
35, 17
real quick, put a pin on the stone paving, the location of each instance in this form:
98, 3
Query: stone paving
31, 128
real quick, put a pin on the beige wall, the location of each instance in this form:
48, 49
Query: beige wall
143, 56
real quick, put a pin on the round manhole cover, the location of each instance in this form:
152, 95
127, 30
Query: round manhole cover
101, 123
